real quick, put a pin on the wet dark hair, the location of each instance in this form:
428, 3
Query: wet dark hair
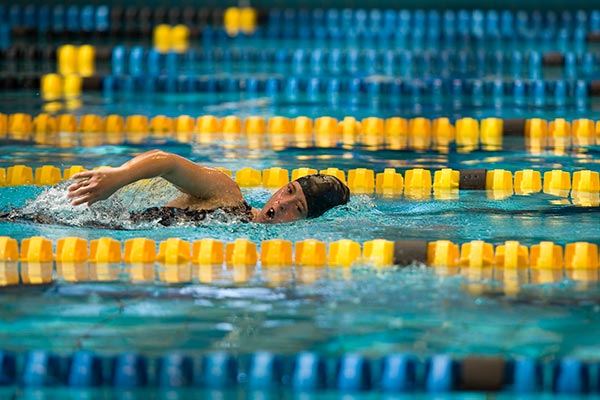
322, 193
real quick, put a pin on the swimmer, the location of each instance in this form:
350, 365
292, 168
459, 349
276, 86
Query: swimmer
204, 190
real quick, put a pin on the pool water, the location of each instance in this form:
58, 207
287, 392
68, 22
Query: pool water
373, 311
415, 309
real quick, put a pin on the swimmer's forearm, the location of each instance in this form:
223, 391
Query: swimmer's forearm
189, 177
92, 186
195, 180
151, 164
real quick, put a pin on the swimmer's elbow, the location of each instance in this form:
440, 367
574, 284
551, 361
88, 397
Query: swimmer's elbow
164, 161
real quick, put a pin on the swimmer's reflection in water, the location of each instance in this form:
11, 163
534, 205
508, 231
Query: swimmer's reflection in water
205, 191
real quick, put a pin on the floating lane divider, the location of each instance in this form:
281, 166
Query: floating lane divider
172, 56
395, 133
74, 21
305, 372
535, 92
73, 259
583, 186
178, 61
329, 22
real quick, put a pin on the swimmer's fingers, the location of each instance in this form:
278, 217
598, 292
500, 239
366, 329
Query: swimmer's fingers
82, 200
86, 197
78, 188
80, 179
83, 175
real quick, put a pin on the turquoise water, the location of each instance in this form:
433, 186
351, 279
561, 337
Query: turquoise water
410, 309
374, 312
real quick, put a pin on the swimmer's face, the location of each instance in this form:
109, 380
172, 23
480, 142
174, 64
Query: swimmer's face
286, 205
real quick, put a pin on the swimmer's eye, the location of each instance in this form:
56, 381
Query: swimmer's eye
289, 189
271, 213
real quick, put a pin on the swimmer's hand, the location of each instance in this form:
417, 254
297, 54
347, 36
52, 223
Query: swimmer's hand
93, 186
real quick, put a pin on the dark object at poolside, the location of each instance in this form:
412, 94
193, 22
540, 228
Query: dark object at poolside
593, 36
594, 88
553, 59
472, 179
514, 127
103, 53
92, 83
407, 252
482, 373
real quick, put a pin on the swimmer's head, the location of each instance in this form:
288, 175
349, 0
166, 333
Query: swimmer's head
306, 197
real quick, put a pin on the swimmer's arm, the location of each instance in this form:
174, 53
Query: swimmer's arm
193, 179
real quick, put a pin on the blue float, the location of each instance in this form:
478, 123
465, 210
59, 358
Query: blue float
298, 61
15, 14
507, 28
571, 377
43, 19
102, 18
130, 370
581, 93
316, 61
252, 86
539, 93
595, 21
174, 370
58, 19
519, 91
154, 62
42, 369
333, 90
390, 20
588, 66
29, 16
354, 89
332, 17
440, 374
217, 370
73, 25
172, 63
560, 93
463, 62
478, 24
477, 92
265, 370
371, 62
4, 36
136, 61
398, 373
85, 370
353, 373
186, 84
118, 60
389, 63
272, 87
313, 89
525, 375
308, 372
449, 25
8, 368
516, 65
352, 62
570, 65
108, 86
404, 22
535, 65
334, 61
87, 19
